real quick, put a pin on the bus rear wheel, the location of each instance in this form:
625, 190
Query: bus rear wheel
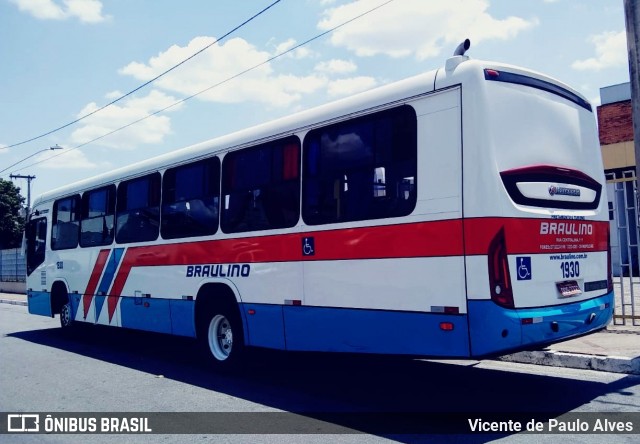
223, 338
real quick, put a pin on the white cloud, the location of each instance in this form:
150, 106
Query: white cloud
610, 49
87, 11
148, 131
218, 64
298, 53
336, 66
68, 159
345, 87
410, 28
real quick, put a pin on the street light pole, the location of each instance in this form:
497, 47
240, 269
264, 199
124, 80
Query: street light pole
29, 179
55, 147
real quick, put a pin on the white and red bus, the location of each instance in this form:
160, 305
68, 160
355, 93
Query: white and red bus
458, 213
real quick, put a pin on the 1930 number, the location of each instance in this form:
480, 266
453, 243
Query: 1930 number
570, 269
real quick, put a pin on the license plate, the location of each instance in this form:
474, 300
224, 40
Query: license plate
568, 289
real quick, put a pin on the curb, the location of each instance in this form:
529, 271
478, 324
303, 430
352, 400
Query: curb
612, 364
12, 302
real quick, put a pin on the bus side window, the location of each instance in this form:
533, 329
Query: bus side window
190, 199
361, 169
65, 228
97, 225
138, 209
261, 187
36, 235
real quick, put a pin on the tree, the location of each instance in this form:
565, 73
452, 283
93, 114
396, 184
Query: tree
11, 222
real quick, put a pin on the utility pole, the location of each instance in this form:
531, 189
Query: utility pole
29, 179
632, 19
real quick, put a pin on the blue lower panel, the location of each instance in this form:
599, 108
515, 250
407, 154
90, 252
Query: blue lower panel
99, 302
265, 325
39, 303
182, 317
75, 300
174, 316
494, 329
146, 314
374, 331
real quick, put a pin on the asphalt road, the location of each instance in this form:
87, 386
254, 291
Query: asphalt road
112, 370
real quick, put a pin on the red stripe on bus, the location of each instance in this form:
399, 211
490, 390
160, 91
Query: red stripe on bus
93, 280
536, 236
424, 239
427, 239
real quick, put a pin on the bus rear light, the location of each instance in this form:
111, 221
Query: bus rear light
446, 326
499, 280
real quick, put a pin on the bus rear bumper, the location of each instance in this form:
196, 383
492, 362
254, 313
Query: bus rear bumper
497, 330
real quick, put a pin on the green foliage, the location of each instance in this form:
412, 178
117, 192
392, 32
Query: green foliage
11, 223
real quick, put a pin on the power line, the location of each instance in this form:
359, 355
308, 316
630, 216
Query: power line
146, 83
277, 56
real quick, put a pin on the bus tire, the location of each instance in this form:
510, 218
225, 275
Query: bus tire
66, 319
222, 338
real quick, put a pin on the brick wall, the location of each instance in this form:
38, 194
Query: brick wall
614, 123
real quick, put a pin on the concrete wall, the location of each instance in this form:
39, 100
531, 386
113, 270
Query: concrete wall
13, 287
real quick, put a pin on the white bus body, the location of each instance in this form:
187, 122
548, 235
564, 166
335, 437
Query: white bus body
481, 227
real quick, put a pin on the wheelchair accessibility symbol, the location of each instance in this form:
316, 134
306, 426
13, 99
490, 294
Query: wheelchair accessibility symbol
308, 246
524, 268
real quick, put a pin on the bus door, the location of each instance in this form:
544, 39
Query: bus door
39, 302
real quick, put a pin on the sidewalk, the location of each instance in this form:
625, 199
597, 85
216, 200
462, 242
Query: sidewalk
616, 349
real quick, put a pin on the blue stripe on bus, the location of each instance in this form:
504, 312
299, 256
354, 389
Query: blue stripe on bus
99, 302
264, 328
374, 331
173, 316
495, 329
109, 272
39, 302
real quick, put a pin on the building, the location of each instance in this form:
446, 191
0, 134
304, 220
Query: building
615, 127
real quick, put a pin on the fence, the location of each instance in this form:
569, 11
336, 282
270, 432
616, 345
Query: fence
13, 265
622, 191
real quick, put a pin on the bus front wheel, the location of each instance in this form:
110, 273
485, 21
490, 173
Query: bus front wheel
66, 320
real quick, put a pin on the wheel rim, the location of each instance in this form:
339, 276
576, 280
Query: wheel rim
220, 337
65, 315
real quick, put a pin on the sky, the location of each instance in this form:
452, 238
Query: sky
63, 59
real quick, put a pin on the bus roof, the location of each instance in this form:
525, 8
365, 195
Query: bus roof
382, 96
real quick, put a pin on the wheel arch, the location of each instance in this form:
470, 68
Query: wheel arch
211, 296
59, 296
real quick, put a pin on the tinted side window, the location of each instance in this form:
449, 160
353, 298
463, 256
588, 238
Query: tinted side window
190, 199
66, 223
138, 209
98, 213
36, 235
261, 187
364, 168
